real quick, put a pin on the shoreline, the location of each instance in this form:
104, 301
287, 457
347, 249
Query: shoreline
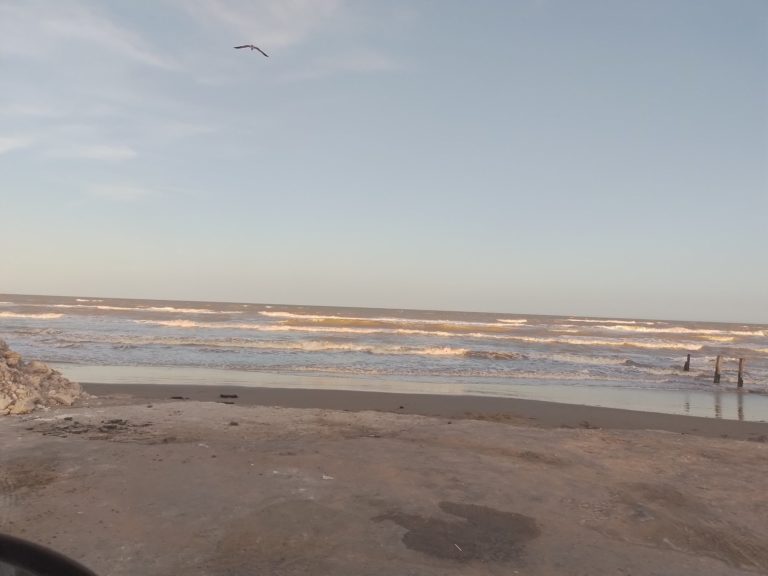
720, 402
520, 411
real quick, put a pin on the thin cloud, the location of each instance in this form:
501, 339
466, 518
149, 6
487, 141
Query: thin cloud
272, 23
121, 192
360, 62
16, 110
181, 129
41, 28
10, 143
100, 152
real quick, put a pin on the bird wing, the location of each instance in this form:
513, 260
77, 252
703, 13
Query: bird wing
262, 51
244, 46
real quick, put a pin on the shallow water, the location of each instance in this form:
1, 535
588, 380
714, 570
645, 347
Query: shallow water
727, 404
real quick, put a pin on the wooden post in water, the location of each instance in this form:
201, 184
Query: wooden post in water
687, 366
717, 370
741, 373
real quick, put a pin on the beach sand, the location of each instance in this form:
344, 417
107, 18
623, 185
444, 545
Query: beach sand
321, 482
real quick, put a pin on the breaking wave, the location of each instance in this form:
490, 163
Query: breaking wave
43, 316
651, 345
167, 309
234, 344
683, 330
386, 321
576, 340
597, 321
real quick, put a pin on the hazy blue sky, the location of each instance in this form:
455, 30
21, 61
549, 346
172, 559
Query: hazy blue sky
536, 156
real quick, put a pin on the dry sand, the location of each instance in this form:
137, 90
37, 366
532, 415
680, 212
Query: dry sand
154, 487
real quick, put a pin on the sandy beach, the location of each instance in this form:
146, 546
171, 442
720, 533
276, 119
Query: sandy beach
299, 482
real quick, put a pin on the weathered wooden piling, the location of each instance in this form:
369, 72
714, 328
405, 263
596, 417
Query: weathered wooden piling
687, 366
717, 370
741, 373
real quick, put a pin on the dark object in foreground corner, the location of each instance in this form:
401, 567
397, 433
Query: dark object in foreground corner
21, 558
227, 395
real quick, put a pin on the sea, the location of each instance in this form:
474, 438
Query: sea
619, 362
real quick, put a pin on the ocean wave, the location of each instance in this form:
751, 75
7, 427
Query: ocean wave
191, 324
325, 346
363, 322
166, 309
731, 352
513, 320
127, 342
577, 341
493, 355
596, 321
235, 344
582, 359
683, 330
43, 316
88, 300
651, 345
6, 303
173, 310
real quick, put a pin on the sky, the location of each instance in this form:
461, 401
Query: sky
600, 157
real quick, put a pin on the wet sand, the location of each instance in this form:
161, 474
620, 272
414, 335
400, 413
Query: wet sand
517, 410
354, 485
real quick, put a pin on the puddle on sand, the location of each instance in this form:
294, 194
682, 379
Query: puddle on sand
486, 534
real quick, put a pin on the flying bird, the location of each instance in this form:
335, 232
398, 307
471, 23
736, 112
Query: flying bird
252, 47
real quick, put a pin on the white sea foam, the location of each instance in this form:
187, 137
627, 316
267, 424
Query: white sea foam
720, 338
513, 320
191, 324
598, 321
326, 346
172, 310
321, 318
167, 309
92, 306
88, 300
127, 342
6, 303
683, 330
651, 345
44, 316
582, 359
578, 341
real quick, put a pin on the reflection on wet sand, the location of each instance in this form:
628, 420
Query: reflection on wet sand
717, 397
740, 398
